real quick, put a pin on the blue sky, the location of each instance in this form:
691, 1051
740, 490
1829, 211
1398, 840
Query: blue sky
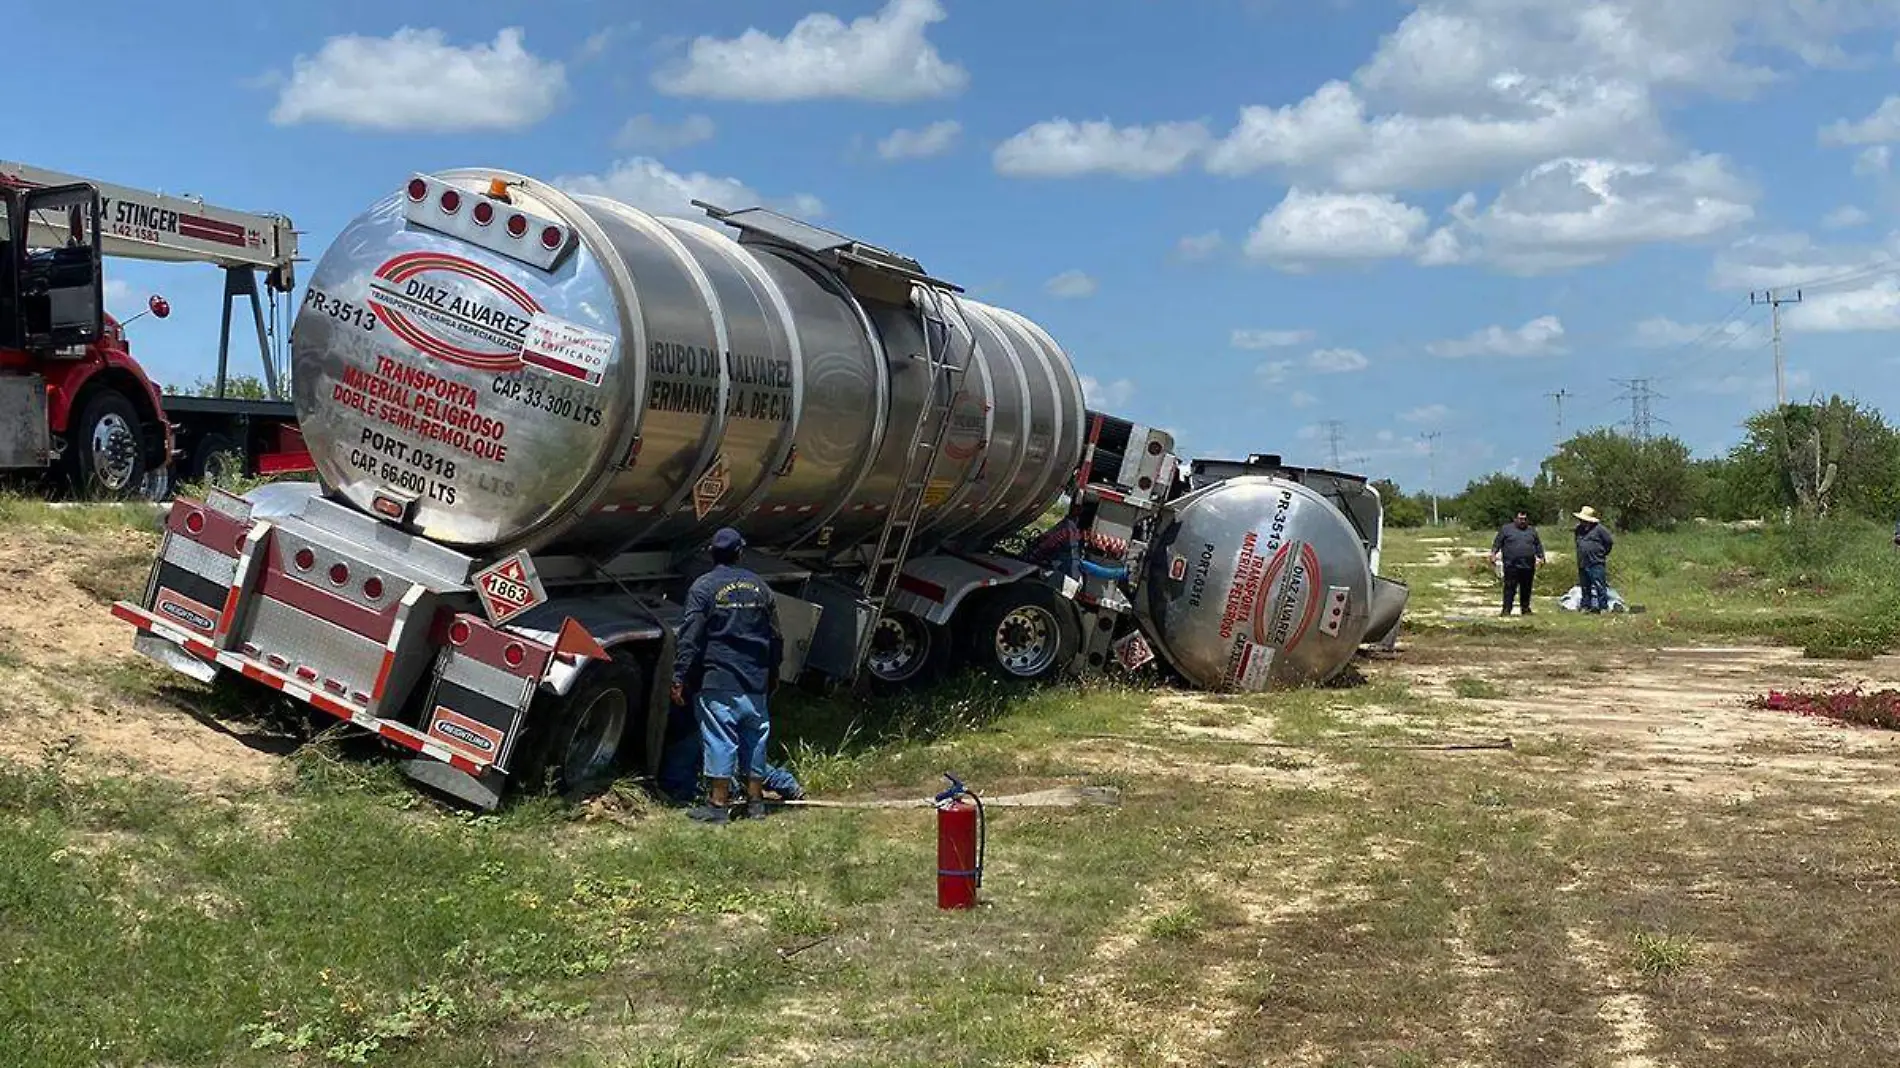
1243, 218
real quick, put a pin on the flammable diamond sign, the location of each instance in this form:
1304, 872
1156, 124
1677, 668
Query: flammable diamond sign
508, 587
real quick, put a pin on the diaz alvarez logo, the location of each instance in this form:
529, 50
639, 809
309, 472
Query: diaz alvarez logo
1281, 618
454, 309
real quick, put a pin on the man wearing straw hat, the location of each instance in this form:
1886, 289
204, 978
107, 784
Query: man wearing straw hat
1593, 560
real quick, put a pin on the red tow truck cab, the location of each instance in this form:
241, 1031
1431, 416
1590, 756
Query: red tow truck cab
74, 402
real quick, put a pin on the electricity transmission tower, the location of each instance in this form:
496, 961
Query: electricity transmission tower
1774, 302
1559, 396
1431, 469
1332, 437
1639, 394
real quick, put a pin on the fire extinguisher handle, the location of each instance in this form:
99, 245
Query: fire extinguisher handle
957, 789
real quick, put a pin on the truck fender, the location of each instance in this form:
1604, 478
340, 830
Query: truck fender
933, 587
615, 620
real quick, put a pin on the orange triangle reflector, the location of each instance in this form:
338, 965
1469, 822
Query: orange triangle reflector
575, 641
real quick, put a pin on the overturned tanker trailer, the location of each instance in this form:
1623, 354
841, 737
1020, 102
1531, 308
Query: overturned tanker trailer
529, 409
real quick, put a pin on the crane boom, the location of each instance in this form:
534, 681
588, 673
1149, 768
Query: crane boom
142, 225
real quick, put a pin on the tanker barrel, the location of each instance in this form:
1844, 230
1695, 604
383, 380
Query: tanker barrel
497, 364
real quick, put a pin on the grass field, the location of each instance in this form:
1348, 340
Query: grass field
1651, 875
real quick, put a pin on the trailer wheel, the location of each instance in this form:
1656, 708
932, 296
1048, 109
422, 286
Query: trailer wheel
576, 742
1024, 631
105, 457
907, 650
217, 460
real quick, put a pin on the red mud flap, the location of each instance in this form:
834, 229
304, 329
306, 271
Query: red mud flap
407, 737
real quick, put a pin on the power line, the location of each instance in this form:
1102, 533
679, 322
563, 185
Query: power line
1774, 303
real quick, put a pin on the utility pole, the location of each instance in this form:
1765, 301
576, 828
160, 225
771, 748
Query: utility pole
1774, 302
1431, 469
1332, 437
1639, 394
1559, 396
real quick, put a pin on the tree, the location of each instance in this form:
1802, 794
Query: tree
1819, 458
1400, 510
1636, 484
1495, 500
236, 387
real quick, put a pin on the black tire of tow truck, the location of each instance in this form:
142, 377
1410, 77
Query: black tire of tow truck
1027, 602
107, 407
562, 754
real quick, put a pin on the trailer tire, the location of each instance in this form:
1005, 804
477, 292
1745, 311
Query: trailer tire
1025, 631
217, 461
577, 744
104, 457
908, 651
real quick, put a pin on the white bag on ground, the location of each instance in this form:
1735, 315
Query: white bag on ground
1573, 600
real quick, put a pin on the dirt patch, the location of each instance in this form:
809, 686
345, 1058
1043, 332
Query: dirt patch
76, 690
1676, 719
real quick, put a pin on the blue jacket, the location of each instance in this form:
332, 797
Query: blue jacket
729, 641
1593, 544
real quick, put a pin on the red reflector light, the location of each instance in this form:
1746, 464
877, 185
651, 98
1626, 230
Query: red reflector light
418, 189
305, 559
339, 573
552, 237
484, 213
451, 201
335, 687
372, 587
460, 633
514, 654
308, 674
195, 522
517, 225
237, 543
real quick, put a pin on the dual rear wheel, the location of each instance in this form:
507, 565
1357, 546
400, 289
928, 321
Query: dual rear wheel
1023, 632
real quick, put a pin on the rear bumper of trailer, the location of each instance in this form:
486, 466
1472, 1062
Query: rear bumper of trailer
200, 660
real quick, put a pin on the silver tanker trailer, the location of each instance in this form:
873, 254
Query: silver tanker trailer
528, 409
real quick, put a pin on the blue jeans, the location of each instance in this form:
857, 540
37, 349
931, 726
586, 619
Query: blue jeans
682, 753
732, 732
1595, 580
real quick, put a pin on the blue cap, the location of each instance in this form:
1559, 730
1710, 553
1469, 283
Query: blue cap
727, 540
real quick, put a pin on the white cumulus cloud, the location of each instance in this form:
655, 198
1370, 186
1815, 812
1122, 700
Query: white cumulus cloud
1270, 339
932, 140
1196, 247
1428, 413
1570, 212
416, 81
1542, 336
647, 184
1299, 398
645, 133
1062, 148
1308, 228
1845, 217
1879, 128
1104, 396
1070, 284
1872, 306
1336, 361
884, 58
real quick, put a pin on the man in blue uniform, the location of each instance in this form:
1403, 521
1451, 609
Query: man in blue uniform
729, 652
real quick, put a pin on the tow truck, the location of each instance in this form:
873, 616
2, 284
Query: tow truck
74, 403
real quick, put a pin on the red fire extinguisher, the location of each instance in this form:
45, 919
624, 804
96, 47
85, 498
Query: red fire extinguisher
962, 840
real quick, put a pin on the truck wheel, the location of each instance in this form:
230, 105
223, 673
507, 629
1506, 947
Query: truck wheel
105, 457
217, 461
906, 650
576, 743
1025, 631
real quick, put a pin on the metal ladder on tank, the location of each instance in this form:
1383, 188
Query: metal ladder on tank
892, 548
